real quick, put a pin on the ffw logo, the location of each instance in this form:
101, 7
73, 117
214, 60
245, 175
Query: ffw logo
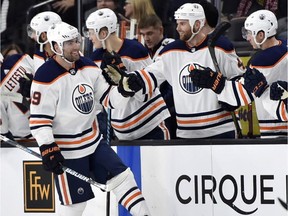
39, 192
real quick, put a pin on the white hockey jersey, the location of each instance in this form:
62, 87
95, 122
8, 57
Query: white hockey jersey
198, 112
140, 115
272, 115
14, 115
39, 58
63, 106
156, 50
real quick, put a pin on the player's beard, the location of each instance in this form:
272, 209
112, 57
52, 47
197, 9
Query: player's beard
186, 36
73, 56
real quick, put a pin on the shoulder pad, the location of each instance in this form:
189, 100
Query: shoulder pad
167, 41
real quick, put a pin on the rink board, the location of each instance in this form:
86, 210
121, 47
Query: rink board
216, 180
199, 179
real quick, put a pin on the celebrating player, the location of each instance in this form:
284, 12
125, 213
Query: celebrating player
64, 93
198, 112
267, 66
141, 118
260, 29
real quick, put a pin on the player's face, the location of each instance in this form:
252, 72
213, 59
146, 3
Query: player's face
152, 36
251, 40
184, 30
92, 36
71, 49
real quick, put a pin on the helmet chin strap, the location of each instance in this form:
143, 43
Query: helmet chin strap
66, 60
259, 44
72, 69
103, 40
193, 34
41, 44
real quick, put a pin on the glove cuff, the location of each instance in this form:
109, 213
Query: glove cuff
48, 149
219, 83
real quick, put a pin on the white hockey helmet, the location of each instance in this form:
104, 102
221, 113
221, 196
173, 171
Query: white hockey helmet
41, 22
191, 12
61, 32
104, 17
261, 20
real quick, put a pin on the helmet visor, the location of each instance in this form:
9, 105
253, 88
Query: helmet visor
245, 33
71, 42
30, 31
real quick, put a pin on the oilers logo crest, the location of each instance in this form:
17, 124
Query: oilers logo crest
83, 98
185, 81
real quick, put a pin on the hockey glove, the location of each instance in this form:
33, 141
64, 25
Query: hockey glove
111, 59
204, 77
129, 83
25, 85
255, 82
52, 158
278, 90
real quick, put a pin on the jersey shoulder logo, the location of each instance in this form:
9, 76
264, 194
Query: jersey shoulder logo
83, 98
186, 82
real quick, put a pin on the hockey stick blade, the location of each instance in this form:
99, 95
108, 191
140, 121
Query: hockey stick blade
66, 169
219, 30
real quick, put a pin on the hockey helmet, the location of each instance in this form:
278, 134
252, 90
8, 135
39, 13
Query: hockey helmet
261, 20
41, 22
102, 18
61, 32
191, 12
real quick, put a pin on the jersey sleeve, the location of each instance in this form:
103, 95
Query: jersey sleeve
43, 108
108, 95
235, 94
152, 76
229, 63
3, 117
276, 108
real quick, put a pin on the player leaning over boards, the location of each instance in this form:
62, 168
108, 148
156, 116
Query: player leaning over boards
198, 112
142, 118
267, 66
65, 90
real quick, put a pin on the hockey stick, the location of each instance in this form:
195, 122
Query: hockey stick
219, 30
65, 169
108, 135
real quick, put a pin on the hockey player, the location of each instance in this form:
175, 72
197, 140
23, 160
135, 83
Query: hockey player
65, 90
15, 107
37, 30
142, 118
260, 30
15, 114
198, 112
267, 66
